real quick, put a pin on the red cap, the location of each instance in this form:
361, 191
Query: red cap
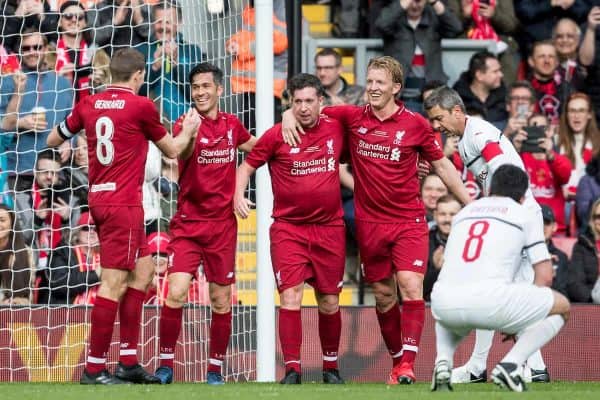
85, 219
158, 242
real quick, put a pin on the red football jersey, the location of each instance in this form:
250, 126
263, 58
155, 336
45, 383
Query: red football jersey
118, 124
384, 156
305, 179
207, 177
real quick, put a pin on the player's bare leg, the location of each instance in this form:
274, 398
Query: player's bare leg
330, 330
220, 331
410, 285
290, 332
130, 315
112, 287
170, 323
388, 316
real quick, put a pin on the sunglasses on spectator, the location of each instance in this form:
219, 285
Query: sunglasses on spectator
34, 47
596, 217
86, 228
72, 17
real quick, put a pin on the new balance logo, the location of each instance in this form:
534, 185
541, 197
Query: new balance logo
418, 263
204, 140
295, 150
362, 130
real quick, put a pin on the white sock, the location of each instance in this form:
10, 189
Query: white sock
483, 342
534, 338
446, 343
536, 361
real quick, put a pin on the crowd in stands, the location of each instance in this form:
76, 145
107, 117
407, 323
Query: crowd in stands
540, 87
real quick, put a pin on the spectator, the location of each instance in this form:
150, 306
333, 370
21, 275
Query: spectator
73, 275
566, 37
16, 262
150, 194
578, 136
548, 171
20, 15
170, 59
412, 31
560, 261
158, 243
481, 87
119, 24
432, 188
589, 51
588, 191
328, 65
74, 55
46, 208
243, 67
77, 175
538, 17
550, 90
492, 20
31, 103
447, 207
583, 271
520, 105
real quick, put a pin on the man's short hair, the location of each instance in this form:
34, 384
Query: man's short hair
389, 64
165, 5
478, 63
301, 81
521, 85
124, 63
545, 42
328, 51
48, 154
206, 68
509, 181
27, 32
447, 198
445, 98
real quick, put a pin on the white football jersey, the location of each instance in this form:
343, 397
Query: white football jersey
487, 239
478, 133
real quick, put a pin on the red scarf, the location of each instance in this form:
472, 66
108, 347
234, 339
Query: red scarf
82, 86
89, 296
482, 30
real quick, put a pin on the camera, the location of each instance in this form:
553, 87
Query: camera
532, 143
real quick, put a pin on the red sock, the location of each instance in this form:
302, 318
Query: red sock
389, 323
290, 336
103, 321
170, 326
330, 330
413, 318
130, 314
220, 331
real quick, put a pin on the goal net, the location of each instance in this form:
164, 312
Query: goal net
53, 54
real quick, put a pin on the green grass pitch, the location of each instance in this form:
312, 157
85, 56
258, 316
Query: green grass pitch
306, 391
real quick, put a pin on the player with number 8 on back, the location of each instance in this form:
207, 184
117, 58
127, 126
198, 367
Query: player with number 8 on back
118, 124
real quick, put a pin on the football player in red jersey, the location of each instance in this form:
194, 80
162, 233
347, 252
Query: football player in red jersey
118, 124
386, 142
204, 228
308, 235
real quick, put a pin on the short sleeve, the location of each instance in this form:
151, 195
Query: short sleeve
430, 147
343, 113
486, 141
178, 125
265, 147
535, 243
241, 133
74, 121
153, 129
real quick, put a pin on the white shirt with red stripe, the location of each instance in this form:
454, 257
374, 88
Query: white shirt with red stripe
483, 149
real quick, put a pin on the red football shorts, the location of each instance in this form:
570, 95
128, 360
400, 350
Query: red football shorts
209, 245
387, 248
122, 235
315, 254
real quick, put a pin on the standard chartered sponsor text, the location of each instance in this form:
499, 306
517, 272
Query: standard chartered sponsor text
309, 167
373, 150
215, 156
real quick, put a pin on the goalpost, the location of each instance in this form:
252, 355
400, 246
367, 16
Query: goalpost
45, 342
